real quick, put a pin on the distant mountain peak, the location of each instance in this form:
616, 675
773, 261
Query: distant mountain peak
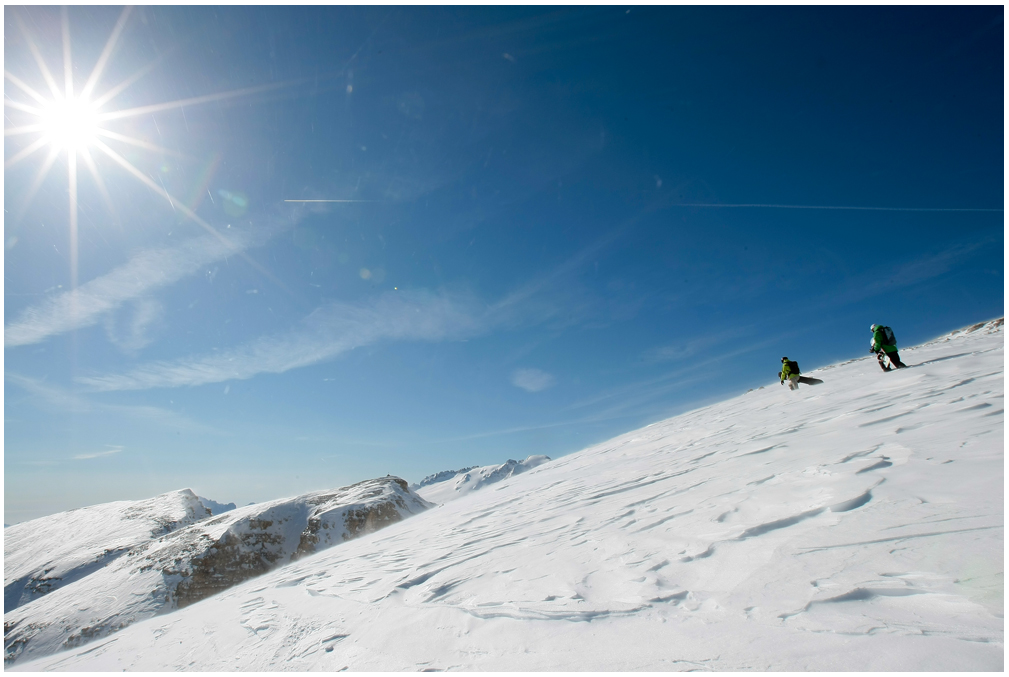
450, 484
215, 508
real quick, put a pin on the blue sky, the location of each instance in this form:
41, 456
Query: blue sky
518, 273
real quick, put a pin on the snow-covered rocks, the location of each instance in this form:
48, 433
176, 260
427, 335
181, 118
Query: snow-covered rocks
48, 553
451, 484
183, 566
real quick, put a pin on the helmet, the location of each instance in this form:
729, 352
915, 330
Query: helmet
784, 359
873, 328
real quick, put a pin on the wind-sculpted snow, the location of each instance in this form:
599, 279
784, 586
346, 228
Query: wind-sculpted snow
48, 553
854, 525
190, 564
452, 484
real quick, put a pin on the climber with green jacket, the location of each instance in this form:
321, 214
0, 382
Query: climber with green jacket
789, 372
884, 344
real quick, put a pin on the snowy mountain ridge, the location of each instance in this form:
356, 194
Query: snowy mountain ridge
440, 477
449, 485
178, 567
47, 553
854, 525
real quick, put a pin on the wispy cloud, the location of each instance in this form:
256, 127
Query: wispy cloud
674, 351
685, 349
517, 305
134, 334
338, 327
588, 420
557, 297
64, 400
905, 274
532, 380
329, 331
145, 272
639, 394
99, 454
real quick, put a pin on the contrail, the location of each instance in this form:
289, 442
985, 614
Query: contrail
762, 206
866, 209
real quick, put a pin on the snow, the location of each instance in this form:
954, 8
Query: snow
853, 525
449, 485
179, 568
48, 553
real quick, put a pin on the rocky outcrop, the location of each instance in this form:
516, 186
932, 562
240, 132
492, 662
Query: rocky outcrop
254, 545
190, 564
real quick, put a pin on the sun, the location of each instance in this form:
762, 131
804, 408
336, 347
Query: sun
74, 123
70, 123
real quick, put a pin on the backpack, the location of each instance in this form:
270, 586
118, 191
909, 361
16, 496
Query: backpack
793, 367
891, 340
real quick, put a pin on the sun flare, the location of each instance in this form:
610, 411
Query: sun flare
70, 124
73, 122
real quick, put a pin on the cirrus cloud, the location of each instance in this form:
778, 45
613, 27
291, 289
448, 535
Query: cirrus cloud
112, 449
330, 330
532, 380
145, 272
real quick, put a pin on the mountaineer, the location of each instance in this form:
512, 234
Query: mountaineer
790, 372
884, 344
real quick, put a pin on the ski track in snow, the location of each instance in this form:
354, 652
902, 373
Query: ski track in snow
854, 525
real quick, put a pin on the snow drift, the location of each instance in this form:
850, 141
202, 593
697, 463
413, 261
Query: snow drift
854, 525
186, 565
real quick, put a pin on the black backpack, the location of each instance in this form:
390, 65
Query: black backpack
891, 340
793, 367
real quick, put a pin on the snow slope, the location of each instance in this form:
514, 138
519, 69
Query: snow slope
192, 563
48, 553
854, 525
449, 485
